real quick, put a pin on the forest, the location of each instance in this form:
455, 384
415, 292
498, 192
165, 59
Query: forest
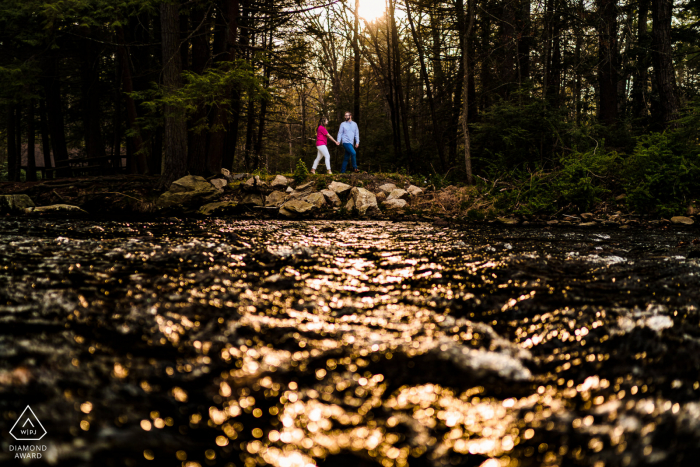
603, 94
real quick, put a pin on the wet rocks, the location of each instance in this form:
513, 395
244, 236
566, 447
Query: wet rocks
296, 208
191, 183
682, 220
302, 191
280, 181
331, 198
223, 207
253, 184
276, 198
15, 203
508, 220
340, 189
363, 201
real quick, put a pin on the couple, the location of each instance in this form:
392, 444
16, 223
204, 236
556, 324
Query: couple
348, 135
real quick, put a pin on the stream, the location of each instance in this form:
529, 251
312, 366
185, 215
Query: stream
301, 344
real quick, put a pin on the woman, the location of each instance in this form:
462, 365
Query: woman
321, 145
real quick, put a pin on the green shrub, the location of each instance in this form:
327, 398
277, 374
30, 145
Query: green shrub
301, 173
661, 174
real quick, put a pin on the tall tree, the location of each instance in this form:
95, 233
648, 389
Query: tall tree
607, 61
356, 49
175, 135
662, 55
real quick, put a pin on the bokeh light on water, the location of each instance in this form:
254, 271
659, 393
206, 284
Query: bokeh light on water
340, 343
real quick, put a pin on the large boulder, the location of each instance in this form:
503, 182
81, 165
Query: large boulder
57, 209
226, 173
317, 199
394, 204
296, 208
414, 190
302, 191
223, 207
253, 199
398, 194
331, 198
340, 189
364, 201
682, 220
219, 184
254, 183
387, 188
276, 198
280, 181
191, 183
15, 203
185, 198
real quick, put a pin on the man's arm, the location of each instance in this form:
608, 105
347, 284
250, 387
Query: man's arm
340, 133
357, 134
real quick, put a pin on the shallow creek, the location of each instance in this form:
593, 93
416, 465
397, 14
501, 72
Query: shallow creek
296, 344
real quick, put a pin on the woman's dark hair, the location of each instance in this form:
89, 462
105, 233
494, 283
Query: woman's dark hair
320, 122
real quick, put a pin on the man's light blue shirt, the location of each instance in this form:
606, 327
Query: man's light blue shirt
349, 133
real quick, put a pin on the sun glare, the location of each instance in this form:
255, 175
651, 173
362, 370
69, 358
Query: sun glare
372, 9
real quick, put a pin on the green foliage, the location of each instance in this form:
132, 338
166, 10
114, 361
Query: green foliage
661, 174
301, 173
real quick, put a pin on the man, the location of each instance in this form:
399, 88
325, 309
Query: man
348, 135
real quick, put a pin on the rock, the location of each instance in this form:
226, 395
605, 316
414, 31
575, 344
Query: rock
395, 204
387, 188
226, 174
276, 198
381, 196
414, 190
621, 197
290, 189
15, 203
682, 220
56, 208
219, 184
588, 224
280, 181
185, 198
363, 201
331, 198
296, 208
223, 207
507, 220
552, 222
399, 194
191, 183
254, 183
317, 199
239, 176
340, 189
302, 191
586, 216
253, 199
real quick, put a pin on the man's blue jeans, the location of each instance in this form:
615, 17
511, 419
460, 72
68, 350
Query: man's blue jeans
349, 154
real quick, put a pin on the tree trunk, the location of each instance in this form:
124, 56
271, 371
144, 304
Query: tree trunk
608, 61
90, 97
45, 143
469, 7
263, 107
11, 142
31, 135
175, 132
135, 157
356, 49
524, 41
641, 77
197, 140
54, 110
397, 81
662, 54
437, 136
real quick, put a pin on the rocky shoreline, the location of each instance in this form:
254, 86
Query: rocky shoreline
389, 197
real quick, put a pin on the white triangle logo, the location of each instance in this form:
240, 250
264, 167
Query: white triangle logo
30, 428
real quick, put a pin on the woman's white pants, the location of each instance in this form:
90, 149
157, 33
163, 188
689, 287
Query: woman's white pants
322, 152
